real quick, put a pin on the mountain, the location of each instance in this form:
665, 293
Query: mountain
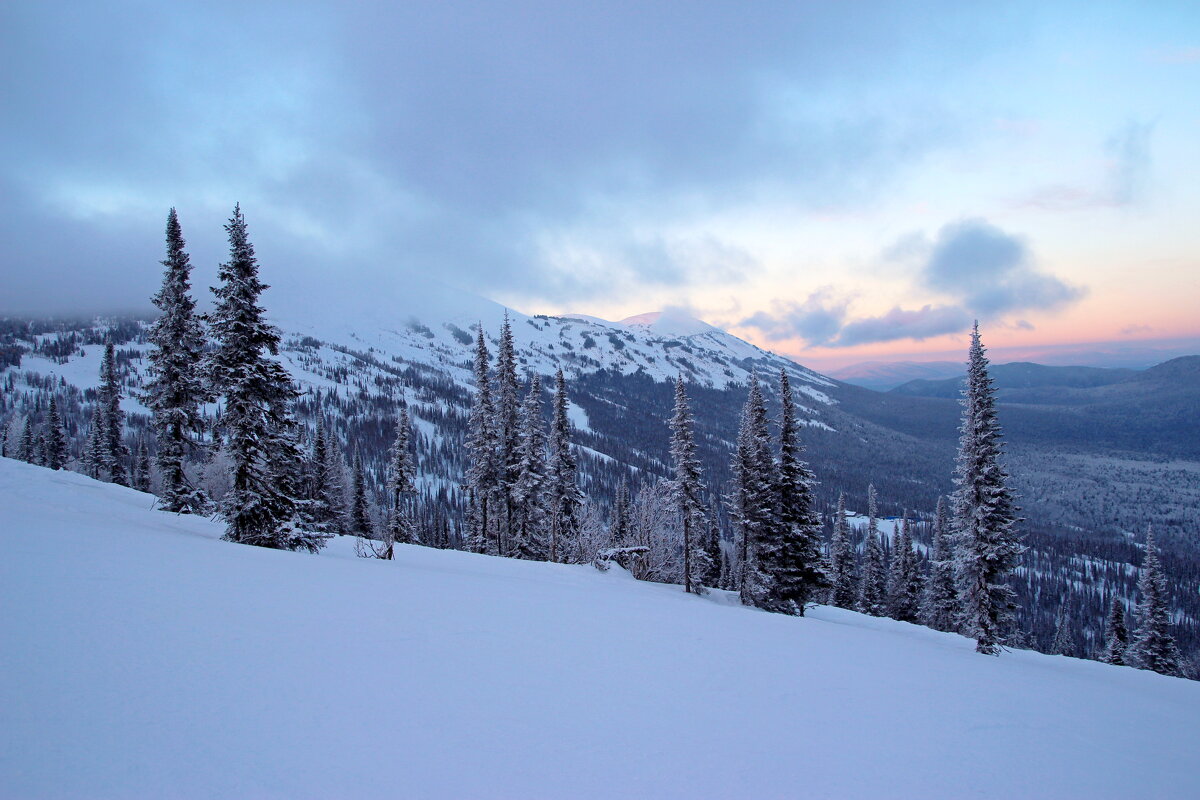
884, 375
145, 657
1090, 476
1009, 379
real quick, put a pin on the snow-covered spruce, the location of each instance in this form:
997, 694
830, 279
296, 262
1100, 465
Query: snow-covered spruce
686, 488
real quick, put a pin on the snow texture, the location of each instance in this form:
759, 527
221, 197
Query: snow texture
144, 657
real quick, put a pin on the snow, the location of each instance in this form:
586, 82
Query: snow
144, 657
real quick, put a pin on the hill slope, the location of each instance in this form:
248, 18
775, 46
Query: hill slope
145, 657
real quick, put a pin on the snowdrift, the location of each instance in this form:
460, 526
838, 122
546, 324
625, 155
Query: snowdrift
143, 657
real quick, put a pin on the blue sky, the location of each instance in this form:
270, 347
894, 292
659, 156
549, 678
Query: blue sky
835, 181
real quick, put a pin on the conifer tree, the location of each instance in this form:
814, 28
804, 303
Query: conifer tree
56, 439
872, 590
93, 448
359, 521
686, 489
986, 546
483, 474
752, 502
904, 582
843, 588
793, 561
507, 421
401, 486
940, 599
262, 506
712, 545
39, 449
1116, 634
141, 467
325, 510
176, 389
1154, 646
1064, 634
529, 491
25, 446
113, 451
564, 500
620, 514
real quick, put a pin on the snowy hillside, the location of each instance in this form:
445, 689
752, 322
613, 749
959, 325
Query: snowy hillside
144, 657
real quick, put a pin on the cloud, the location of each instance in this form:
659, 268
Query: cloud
817, 320
390, 139
1130, 330
990, 272
985, 272
920, 324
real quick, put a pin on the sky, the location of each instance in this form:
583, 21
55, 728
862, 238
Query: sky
838, 182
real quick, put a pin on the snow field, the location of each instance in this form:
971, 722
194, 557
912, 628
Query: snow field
143, 657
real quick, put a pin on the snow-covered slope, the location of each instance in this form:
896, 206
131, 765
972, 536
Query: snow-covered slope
144, 657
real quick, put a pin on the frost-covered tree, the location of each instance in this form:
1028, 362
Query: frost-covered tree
508, 434
1116, 634
1063, 643
872, 588
987, 548
176, 390
262, 506
1154, 646
939, 602
141, 466
843, 583
529, 535
401, 487
25, 444
564, 500
359, 521
752, 505
93, 447
56, 439
483, 472
326, 507
113, 451
619, 522
654, 524
792, 561
712, 543
687, 490
904, 581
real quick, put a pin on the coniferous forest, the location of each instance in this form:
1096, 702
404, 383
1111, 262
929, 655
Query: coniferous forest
738, 487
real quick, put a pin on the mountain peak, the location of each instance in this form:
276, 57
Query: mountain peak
669, 322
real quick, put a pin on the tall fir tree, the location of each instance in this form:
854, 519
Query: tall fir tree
113, 451
359, 521
326, 492
712, 546
507, 425
619, 524
1063, 643
1116, 634
262, 506
939, 603
904, 579
564, 500
872, 589
987, 549
56, 438
93, 448
529, 490
401, 486
686, 488
752, 505
793, 562
1154, 646
141, 466
25, 444
176, 390
843, 583
483, 473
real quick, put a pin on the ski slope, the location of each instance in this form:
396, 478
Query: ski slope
143, 657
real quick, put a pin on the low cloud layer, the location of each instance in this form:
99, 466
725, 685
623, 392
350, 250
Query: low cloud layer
985, 272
